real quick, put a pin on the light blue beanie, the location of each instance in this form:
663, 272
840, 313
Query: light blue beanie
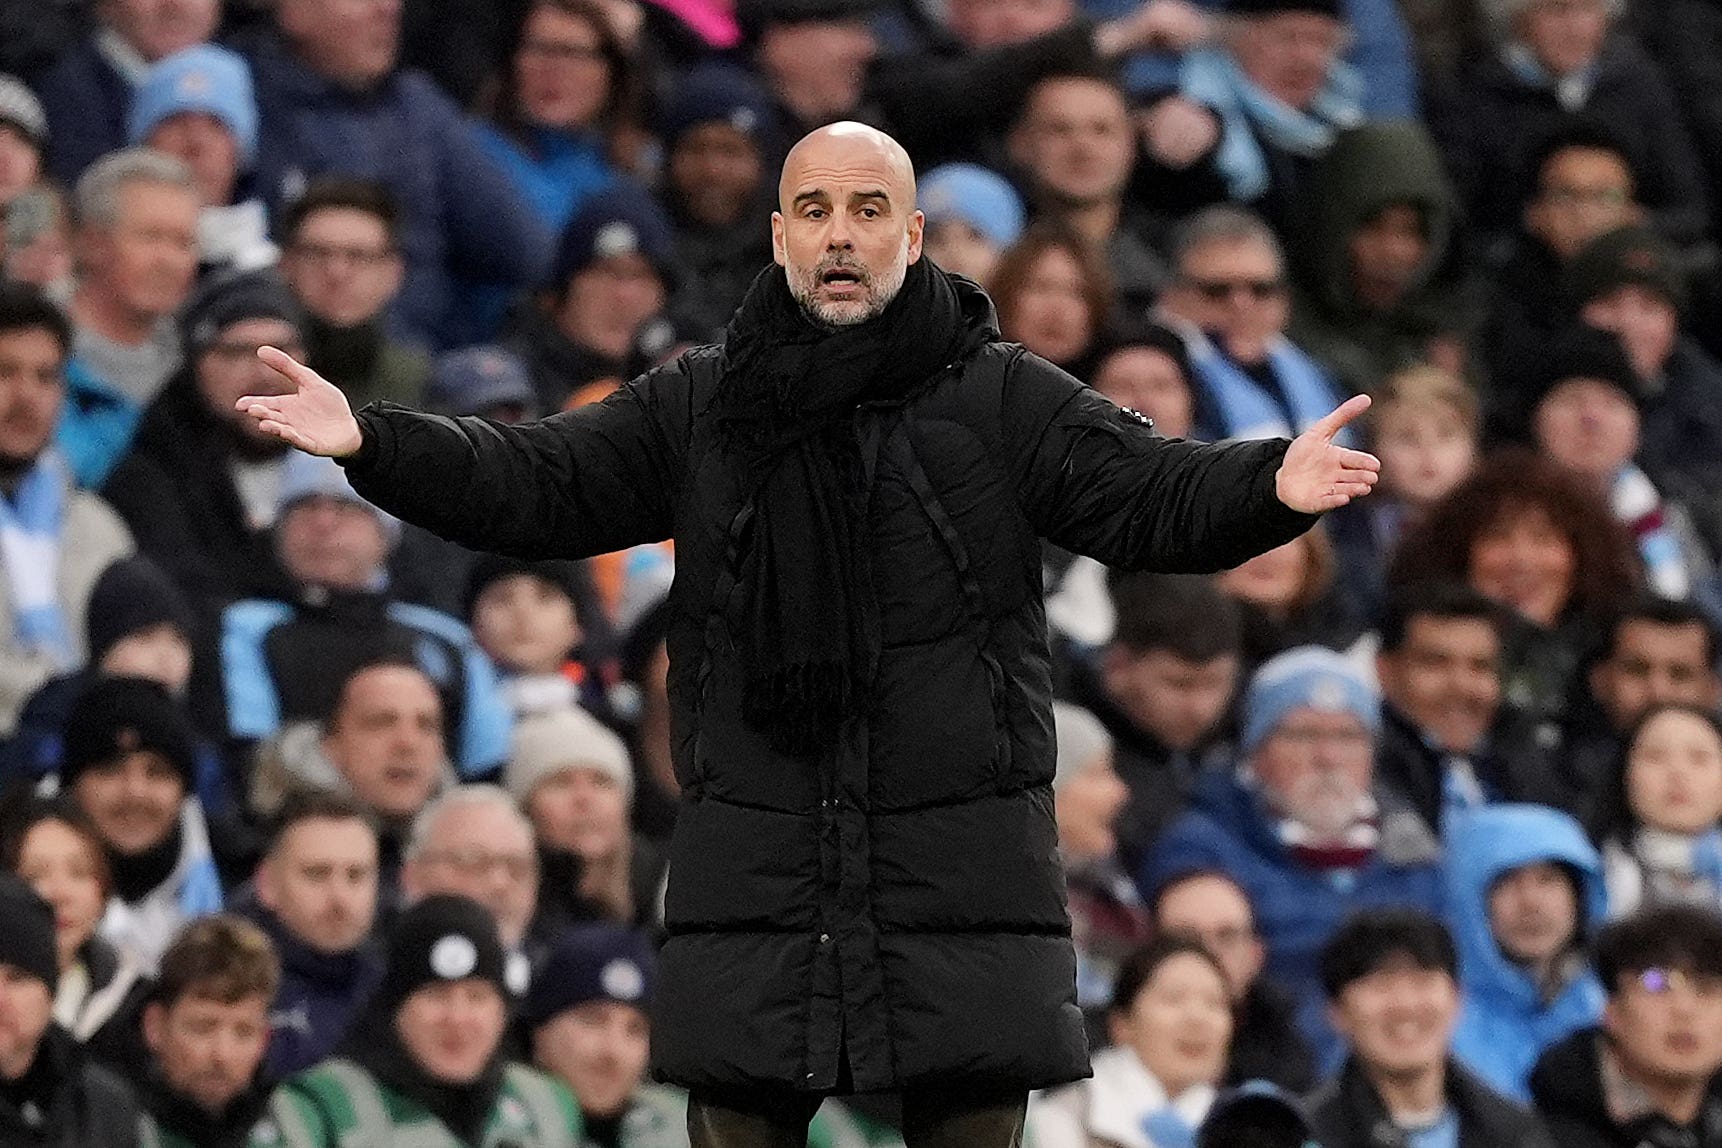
202, 78
981, 198
1308, 677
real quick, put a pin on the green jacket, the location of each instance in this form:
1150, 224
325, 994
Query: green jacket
152, 1135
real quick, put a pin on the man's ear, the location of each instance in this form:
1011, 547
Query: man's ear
155, 1025
778, 252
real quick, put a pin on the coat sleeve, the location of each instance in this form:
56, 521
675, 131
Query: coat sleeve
1099, 481
576, 484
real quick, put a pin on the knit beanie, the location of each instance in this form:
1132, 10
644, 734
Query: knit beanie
20, 108
545, 744
27, 940
440, 940
119, 716
717, 93
131, 596
620, 220
1308, 677
1583, 352
1276, 7
493, 568
1634, 256
598, 962
1081, 738
981, 198
203, 78
226, 298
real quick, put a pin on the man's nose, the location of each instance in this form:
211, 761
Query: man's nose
838, 235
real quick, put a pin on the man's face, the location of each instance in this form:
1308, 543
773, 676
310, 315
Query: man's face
32, 385
1177, 701
1564, 35
1074, 139
20, 163
1587, 426
1534, 912
846, 228
26, 1007
321, 882
580, 809
561, 75
1425, 450
161, 654
1386, 254
1523, 560
1216, 911
208, 1050
452, 1030
1653, 664
1645, 322
1316, 767
342, 266
148, 259
1583, 193
715, 171
1399, 1018
598, 1050
133, 800
352, 42
1149, 380
157, 28
525, 624
1289, 55
483, 852
817, 68
982, 24
1234, 290
332, 542
1447, 679
608, 302
386, 739
228, 369
205, 145
1666, 1026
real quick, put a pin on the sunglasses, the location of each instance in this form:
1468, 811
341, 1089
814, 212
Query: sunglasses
1220, 290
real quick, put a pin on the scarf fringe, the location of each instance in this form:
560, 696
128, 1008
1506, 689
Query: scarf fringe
800, 708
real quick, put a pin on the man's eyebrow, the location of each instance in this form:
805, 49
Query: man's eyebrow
813, 195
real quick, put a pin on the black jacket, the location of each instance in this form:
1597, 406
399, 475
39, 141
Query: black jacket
1266, 1043
1512, 764
1348, 1113
70, 1103
1567, 1088
899, 901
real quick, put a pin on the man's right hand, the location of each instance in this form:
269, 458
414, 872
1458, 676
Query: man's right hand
314, 416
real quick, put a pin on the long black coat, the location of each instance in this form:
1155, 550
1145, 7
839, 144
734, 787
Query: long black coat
900, 898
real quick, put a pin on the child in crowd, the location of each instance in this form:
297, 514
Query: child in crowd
533, 620
1658, 828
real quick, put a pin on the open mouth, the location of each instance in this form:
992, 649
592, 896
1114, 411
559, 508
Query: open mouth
841, 277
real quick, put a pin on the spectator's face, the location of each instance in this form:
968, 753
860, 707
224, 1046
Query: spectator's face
32, 385
320, 880
206, 146
1651, 665
1665, 1025
1234, 290
959, 247
228, 369
1523, 560
331, 542
1387, 253
715, 171
1180, 1024
582, 810
560, 72
158, 654
1398, 1019
342, 266
386, 739
817, 67
1587, 426
1050, 313
157, 28
1216, 911
1273, 580
1085, 807
483, 852
133, 800
452, 1030
208, 1050
1316, 767
1149, 380
1564, 35
1584, 192
1289, 55
599, 1051
352, 42
1074, 138
1534, 913
148, 259
26, 1007
981, 24
1674, 774
609, 301
1447, 679
525, 624
1645, 322
20, 163
1425, 451
60, 864
1176, 700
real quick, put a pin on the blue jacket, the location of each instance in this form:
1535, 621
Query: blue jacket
87, 102
320, 994
1505, 1025
1297, 908
96, 425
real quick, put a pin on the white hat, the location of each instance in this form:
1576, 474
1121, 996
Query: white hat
567, 738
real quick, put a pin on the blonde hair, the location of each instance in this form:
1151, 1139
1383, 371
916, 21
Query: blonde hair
1426, 387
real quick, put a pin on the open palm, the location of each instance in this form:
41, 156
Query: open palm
314, 416
1317, 474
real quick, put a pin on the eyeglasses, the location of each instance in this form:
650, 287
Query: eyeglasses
1221, 290
1660, 982
1565, 195
559, 53
335, 253
245, 351
478, 862
1352, 739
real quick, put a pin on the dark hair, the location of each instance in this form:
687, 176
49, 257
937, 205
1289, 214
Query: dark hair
1659, 611
1574, 133
22, 811
1183, 877
221, 957
1614, 817
26, 308
1183, 614
1144, 961
1447, 601
1371, 938
1091, 73
1015, 265
1675, 935
501, 101
389, 660
346, 193
316, 805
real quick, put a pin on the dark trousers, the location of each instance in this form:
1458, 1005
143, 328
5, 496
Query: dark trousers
931, 1119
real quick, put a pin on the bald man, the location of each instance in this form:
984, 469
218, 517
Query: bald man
864, 888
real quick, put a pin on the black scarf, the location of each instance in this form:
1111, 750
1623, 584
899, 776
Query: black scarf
785, 413
464, 1109
185, 1118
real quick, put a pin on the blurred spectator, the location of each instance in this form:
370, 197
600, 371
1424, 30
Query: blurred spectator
1391, 978
972, 214
642, 697
33, 35
1255, 1114
486, 381
200, 485
197, 106
342, 256
814, 56
1647, 1075
1290, 596
207, 1025
1448, 742
1303, 825
1146, 367
43, 1075
55, 540
1657, 821
316, 897
23, 135
527, 618
1524, 897
1054, 296
1171, 1024
1229, 299
332, 101
473, 841
137, 213
1211, 906
128, 768
37, 246
89, 90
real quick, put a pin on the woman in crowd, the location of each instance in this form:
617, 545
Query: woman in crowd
1290, 597
1054, 296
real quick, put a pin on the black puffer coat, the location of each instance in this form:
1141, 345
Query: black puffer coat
901, 897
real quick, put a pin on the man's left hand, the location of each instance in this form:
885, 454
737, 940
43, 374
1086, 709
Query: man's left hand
1316, 474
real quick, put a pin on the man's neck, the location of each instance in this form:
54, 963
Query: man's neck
107, 317
1679, 1101
1096, 221
1412, 1096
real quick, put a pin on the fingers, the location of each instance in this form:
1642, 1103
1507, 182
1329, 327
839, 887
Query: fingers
290, 435
284, 364
1331, 423
1357, 460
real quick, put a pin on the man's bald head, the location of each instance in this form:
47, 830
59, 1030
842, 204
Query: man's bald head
842, 146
